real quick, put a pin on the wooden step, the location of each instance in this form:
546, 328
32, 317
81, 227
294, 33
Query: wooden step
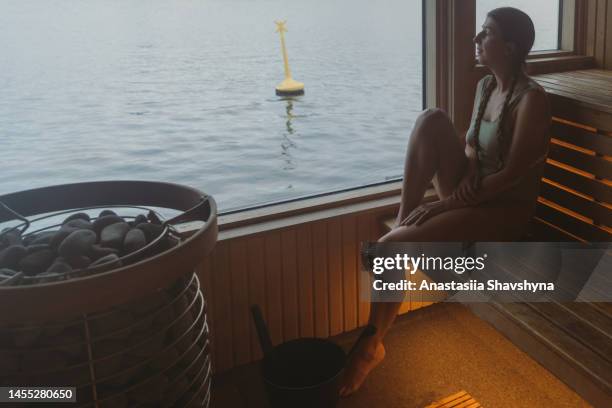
460, 399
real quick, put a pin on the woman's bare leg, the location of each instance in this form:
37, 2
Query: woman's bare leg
434, 151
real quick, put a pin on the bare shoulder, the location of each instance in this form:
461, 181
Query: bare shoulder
534, 103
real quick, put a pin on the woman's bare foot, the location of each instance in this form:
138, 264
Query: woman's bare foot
367, 356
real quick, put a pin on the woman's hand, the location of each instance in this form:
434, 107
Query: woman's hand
425, 211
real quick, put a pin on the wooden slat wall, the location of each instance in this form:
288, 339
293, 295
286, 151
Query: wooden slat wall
577, 182
305, 278
599, 32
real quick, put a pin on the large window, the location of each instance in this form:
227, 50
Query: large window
544, 13
184, 92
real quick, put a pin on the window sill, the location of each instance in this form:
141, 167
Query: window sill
385, 197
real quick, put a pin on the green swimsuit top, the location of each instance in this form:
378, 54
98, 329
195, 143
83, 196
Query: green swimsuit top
527, 188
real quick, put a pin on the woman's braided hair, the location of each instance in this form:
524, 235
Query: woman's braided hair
501, 140
516, 27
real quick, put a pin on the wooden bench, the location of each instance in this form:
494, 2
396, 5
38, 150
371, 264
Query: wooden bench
572, 340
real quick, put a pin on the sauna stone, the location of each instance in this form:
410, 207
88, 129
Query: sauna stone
38, 360
181, 305
111, 260
106, 348
114, 234
140, 219
44, 237
10, 237
77, 216
59, 237
104, 221
165, 359
96, 252
134, 240
10, 257
151, 231
59, 266
181, 327
36, 247
104, 213
78, 243
174, 393
78, 262
189, 362
164, 318
110, 325
153, 218
37, 262
27, 337
126, 375
69, 342
77, 224
146, 344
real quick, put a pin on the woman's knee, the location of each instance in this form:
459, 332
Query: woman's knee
431, 123
432, 115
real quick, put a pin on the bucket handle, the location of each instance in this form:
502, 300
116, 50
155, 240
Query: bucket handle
262, 330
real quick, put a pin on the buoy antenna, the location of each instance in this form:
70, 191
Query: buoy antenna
280, 26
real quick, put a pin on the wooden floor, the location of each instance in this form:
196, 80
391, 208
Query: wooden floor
432, 353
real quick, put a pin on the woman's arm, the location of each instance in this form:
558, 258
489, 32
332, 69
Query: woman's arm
529, 142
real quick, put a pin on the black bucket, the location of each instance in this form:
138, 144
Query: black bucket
302, 373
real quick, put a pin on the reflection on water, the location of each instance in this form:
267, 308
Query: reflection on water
289, 111
288, 144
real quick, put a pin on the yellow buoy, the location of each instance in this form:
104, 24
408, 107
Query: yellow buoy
289, 86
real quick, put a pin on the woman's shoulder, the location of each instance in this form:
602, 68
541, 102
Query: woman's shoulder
532, 84
528, 88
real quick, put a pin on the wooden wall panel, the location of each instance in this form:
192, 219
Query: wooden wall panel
256, 268
274, 295
221, 286
334, 275
599, 32
607, 64
349, 272
364, 234
289, 285
306, 279
590, 28
321, 299
240, 301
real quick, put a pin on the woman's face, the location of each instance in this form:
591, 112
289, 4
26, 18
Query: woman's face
491, 49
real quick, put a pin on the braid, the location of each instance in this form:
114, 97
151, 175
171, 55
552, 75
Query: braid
481, 108
501, 140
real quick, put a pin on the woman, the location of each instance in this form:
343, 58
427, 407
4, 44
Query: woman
488, 186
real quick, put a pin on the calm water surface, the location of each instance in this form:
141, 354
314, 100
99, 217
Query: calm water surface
183, 91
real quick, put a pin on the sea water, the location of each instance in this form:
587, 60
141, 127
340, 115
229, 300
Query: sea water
183, 91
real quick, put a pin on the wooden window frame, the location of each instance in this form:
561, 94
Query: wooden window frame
449, 83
